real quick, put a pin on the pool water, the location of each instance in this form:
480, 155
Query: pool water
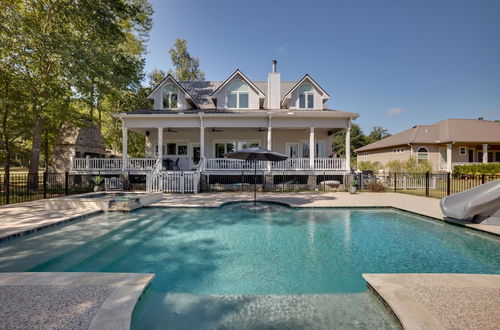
275, 267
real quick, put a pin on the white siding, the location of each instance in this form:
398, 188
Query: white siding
253, 96
318, 98
157, 96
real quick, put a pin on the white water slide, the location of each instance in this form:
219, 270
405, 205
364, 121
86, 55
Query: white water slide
480, 204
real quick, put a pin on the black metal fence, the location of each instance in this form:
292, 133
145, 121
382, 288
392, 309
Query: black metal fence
428, 184
24, 187
272, 182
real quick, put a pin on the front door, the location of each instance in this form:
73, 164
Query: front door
471, 155
292, 150
195, 155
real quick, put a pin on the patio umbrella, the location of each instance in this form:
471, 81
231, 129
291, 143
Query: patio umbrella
256, 154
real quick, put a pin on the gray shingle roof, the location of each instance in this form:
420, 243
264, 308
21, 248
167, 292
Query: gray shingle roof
445, 131
201, 91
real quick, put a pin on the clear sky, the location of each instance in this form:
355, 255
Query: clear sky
397, 63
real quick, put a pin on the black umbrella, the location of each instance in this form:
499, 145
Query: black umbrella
254, 154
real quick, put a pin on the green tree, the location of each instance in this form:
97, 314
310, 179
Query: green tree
155, 77
187, 67
64, 51
378, 133
358, 139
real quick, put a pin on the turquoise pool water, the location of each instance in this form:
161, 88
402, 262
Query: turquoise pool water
277, 267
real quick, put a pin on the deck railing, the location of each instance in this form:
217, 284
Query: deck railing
292, 164
211, 164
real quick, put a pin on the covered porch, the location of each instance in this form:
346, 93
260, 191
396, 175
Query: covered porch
186, 142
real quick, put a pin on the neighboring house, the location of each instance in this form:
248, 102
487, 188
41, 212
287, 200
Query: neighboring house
193, 124
444, 144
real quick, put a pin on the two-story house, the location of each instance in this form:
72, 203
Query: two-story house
193, 124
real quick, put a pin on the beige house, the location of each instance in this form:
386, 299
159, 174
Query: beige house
193, 124
444, 144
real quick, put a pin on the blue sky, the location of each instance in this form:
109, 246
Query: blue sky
396, 63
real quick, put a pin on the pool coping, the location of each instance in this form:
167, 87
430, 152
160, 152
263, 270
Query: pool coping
411, 312
116, 310
49, 225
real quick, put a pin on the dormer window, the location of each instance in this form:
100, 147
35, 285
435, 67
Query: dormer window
237, 95
306, 97
170, 96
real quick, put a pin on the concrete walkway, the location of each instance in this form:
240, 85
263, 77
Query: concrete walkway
441, 301
69, 300
23, 218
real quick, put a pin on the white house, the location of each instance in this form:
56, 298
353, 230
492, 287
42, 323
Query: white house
193, 124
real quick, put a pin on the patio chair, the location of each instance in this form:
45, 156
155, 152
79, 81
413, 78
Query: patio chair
175, 165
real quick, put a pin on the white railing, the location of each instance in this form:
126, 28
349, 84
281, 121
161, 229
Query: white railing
96, 164
407, 182
174, 182
232, 164
291, 164
108, 164
145, 164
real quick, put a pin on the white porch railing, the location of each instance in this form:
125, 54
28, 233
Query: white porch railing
291, 164
112, 164
408, 182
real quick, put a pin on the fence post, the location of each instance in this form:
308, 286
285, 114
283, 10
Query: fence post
395, 181
427, 184
44, 185
7, 188
242, 181
324, 181
482, 179
448, 184
66, 183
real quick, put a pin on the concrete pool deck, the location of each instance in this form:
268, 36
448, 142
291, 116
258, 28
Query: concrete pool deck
441, 301
69, 300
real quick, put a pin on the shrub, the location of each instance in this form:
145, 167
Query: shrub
490, 168
375, 186
395, 166
412, 166
370, 166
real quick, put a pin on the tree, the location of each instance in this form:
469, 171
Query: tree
378, 133
64, 51
358, 139
155, 77
186, 66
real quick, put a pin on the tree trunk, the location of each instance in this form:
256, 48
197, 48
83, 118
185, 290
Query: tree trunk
35, 153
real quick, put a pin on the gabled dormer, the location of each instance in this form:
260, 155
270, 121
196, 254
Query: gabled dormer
238, 93
170, 95
305, 95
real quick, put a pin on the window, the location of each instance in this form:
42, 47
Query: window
422, 154
319, 149
170, 93
237, 95
462, 151
490, 157
497, 157
222, 148
292, 150
176, 149
398, 151
306, 97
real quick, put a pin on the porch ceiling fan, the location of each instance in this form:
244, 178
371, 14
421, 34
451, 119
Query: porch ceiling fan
171, 130
216, 129
262, 129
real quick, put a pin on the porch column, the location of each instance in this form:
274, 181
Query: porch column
312, 148
448, 157
160, 144
269, 140
202, 143
485, 153
348, 146
124, 146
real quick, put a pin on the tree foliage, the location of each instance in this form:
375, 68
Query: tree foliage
187, 67
68, 56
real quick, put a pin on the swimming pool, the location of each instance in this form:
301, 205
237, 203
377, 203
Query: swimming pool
276, 267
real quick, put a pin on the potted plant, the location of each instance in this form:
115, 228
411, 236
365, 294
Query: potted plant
354, 186
97, 182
